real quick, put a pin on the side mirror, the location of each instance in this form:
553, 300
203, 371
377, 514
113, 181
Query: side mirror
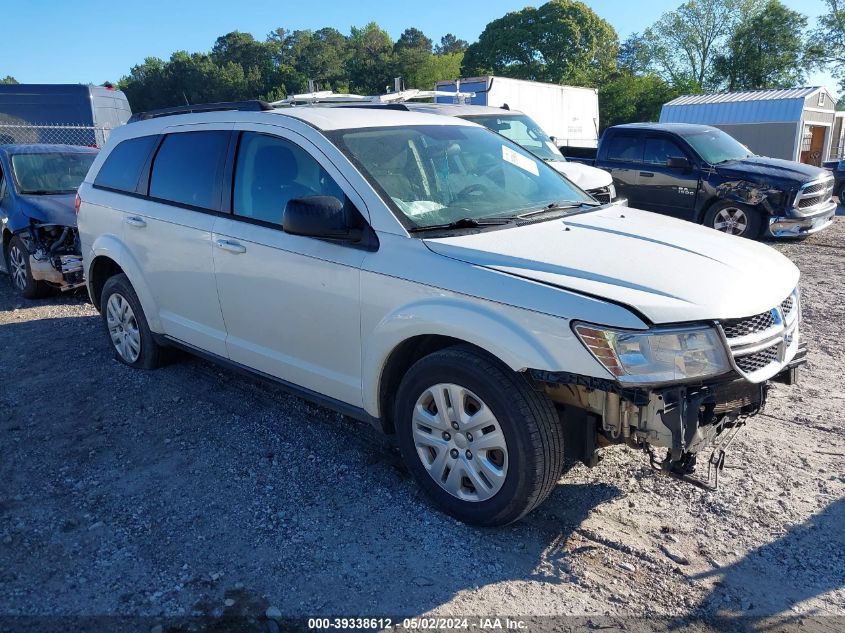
323, 217
553, 139
677, 162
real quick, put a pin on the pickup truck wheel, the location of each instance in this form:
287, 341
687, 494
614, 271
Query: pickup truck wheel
17, 263
126, 325
734, 218
479, 439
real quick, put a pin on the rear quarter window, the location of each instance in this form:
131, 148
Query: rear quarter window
625, 148
122, 167
187, 168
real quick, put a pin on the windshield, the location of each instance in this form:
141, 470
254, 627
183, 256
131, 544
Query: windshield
437, 174
715, 146
523, 131
51, 172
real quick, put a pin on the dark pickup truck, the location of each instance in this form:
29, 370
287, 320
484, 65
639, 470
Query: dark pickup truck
702, 174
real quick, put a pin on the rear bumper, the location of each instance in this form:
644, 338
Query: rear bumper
799, 226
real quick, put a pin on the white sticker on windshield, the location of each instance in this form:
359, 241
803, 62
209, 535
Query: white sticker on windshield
523, 162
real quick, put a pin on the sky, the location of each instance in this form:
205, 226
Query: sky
92, 41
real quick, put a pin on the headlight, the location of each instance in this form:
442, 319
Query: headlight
656, 356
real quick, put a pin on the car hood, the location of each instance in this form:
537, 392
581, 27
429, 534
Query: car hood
668, 270
584, 176
49, 209
776, 170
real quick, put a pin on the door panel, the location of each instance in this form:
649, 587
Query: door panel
669, 190
173, 248
291, 306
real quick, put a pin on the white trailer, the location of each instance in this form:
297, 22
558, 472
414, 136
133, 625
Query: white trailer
568, 113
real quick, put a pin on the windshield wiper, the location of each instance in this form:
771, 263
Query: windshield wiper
559, 206
462, 223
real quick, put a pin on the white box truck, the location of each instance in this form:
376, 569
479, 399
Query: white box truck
568, 113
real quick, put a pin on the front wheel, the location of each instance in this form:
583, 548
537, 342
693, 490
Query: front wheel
734, 218
479, 439
17, 263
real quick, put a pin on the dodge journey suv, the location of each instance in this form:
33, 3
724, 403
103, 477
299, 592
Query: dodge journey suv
430, 276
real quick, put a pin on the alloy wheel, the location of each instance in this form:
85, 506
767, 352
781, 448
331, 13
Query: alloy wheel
123, 328
17, 266
731, 220
460, 442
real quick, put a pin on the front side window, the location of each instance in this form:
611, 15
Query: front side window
658, 151
122, 167
436, 174
187, 168
523, 131
51, 172
270, 171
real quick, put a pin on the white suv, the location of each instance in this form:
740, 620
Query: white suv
430, 276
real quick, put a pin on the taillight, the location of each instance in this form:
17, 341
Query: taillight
77, 203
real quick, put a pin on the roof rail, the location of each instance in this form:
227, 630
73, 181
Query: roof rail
392, 98
247, 106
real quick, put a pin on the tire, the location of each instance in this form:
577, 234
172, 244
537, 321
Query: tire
130, 336
734, 218
20, 274
518, 477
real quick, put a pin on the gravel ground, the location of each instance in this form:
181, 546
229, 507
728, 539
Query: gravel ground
193, 490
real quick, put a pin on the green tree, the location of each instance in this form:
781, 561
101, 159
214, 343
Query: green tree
370, 60
766, 50
627, 98
412, 58
450, 45
413, 39
320, 55
683, 44
830, 35
8, 79
563, 41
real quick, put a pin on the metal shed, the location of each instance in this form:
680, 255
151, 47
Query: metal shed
792, 123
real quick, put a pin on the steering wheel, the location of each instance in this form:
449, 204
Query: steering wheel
476, 188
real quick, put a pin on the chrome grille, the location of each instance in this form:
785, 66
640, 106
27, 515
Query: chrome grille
762, 344
814, 194
602, 194
758, 360
751, 325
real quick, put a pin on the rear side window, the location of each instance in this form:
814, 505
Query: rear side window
659, 150
122, 168
270, 171
625, 148
187, 168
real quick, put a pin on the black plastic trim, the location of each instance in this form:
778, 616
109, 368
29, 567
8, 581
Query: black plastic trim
255, 105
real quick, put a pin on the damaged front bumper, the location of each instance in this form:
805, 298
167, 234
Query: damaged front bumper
801, 225
685, 420
55, 256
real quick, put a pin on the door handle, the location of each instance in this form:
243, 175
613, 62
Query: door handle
135, 221
231, 246
647, 174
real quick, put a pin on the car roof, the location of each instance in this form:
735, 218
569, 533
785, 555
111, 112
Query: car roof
678, 128
460, 109
314, 115
46, 148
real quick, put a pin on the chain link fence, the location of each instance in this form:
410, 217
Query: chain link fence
86, 135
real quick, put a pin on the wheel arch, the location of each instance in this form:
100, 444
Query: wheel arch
110, 257
411, 333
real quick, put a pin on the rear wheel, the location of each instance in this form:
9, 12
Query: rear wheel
17, 263
734, 218
479, 439
126, 325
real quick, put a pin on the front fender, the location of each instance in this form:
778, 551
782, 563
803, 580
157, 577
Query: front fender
109, 245
769, 199
519, 338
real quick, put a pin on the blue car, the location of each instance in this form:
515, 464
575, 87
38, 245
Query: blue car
837, 168
38, 186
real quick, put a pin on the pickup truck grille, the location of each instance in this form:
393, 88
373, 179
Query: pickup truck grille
761, 344
814, 194
602, 194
